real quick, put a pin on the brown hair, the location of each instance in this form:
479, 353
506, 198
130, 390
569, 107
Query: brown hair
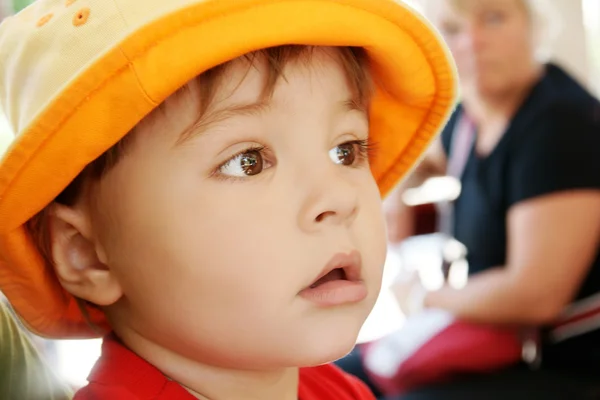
352, 59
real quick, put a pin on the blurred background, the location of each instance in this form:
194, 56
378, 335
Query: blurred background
575, 47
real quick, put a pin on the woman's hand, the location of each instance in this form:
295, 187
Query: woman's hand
552, 242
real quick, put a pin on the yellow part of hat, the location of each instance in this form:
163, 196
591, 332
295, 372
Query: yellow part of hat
77, 75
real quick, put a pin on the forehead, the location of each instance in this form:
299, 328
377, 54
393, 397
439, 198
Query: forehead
242, 92
250, 86
256, 78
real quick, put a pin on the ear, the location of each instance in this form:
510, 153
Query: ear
78, 261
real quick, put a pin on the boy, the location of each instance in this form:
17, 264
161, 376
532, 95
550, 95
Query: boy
188, 179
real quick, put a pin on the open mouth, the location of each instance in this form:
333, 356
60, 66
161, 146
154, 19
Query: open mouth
338, 274
342, 267
340, 282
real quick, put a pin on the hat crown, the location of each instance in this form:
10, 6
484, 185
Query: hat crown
49, 44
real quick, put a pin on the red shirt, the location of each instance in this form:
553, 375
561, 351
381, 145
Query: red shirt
120, 374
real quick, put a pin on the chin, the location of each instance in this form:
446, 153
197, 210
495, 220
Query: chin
329, 342
491, 86
326, 355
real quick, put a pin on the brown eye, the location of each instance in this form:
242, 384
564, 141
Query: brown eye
344, 154
251, 163
248, 163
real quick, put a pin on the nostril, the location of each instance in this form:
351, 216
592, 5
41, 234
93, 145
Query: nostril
321, 217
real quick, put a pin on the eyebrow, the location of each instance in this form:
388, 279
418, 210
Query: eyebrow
201, 125
354, 104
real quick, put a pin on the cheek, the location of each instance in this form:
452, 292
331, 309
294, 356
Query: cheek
204, 260
371, 229
510, 43
463, 57
189, 247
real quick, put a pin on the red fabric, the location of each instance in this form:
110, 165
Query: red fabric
120, 374
328, 382
460, 348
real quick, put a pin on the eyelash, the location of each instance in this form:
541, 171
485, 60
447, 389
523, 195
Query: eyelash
366, 148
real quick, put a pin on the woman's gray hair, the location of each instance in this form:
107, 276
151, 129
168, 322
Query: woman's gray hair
547, 25
546, 22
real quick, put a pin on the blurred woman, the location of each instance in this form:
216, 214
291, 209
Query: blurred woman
529, 209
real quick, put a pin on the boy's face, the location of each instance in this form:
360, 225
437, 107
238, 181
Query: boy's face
214, 239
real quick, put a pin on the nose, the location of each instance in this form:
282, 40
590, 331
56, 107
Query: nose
330, 199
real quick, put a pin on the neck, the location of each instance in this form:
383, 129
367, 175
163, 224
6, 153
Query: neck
489, 109
208, 382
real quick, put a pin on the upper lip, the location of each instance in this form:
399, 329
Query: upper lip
350, 262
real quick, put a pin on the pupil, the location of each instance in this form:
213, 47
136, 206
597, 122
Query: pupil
346, 154
252, 163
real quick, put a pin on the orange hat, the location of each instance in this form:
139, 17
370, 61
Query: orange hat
77, 75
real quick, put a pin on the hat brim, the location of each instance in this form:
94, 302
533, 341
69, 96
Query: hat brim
112, 94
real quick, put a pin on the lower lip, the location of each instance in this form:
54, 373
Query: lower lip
335, 293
